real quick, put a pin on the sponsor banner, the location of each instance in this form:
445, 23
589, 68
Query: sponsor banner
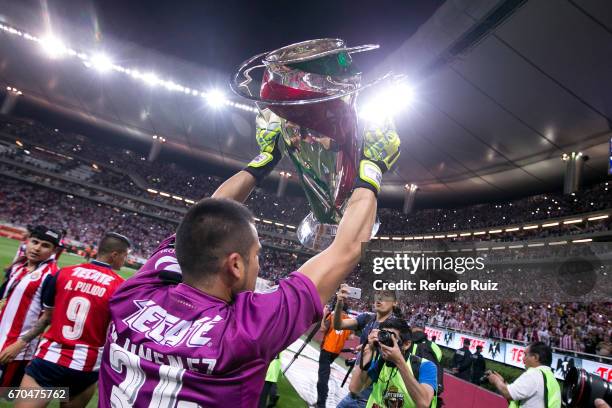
491, 349
512, 354
601, 369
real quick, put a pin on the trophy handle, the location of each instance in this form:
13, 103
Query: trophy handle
242, 79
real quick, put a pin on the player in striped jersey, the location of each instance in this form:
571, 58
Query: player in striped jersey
22, 302
76, 306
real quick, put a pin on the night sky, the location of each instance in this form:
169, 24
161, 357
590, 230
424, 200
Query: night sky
222, 33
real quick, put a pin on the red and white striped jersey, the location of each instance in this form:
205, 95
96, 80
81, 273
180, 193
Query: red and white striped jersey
23, 294
79, 295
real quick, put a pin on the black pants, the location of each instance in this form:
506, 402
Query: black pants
269, 390
325, 360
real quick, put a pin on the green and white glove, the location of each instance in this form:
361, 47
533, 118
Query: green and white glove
268, 130
380, 151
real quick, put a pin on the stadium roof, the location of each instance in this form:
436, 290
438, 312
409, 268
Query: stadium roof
502, 90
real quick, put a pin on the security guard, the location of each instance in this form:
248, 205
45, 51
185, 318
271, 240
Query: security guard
462, 361
479, 365
536, 387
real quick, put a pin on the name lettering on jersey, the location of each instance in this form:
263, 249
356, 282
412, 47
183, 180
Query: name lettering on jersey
166, 329
93, 275
84, 287
202, 365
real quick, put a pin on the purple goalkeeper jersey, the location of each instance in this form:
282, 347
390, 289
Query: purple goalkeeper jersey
171, 345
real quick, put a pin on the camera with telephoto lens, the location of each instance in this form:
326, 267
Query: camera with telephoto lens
583, 388
385, 337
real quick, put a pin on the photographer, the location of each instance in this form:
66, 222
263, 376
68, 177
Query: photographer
385, 306
399, 379
536, 387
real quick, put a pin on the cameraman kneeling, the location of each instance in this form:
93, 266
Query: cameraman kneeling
400, 380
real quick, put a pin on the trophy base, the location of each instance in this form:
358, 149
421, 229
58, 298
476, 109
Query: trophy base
317, 236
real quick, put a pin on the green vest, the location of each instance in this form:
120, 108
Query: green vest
274, 370
552, 392
390, 388
434, 347
437, 351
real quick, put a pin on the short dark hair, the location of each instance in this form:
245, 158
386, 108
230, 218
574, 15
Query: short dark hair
111, 242
543, 351
400, 325
212, 229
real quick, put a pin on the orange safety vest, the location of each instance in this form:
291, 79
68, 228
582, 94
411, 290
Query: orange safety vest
333, 341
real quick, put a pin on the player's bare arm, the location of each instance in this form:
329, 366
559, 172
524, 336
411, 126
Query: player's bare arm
328, 269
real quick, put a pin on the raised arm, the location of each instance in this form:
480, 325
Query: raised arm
328, 269
338, 321
239, 186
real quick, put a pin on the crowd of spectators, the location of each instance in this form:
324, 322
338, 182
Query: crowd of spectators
86, 212
84, 220
583, 327
117, 163
529, 209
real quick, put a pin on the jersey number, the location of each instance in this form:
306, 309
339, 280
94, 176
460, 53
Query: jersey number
165, 393
76, 312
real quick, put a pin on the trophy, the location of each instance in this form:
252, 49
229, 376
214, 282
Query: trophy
312, 86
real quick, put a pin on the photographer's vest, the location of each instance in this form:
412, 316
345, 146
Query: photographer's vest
389, 389
437, 351
274, 370
552, 391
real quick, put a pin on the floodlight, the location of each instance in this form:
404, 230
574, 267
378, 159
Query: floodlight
215, 98
101, 62
388, 102
53, 46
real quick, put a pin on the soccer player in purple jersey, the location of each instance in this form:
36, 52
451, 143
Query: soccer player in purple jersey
188, 331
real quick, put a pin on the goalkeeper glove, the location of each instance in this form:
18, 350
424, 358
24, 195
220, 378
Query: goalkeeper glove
268, 130
380, 151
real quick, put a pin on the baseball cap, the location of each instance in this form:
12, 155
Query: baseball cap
46, 234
